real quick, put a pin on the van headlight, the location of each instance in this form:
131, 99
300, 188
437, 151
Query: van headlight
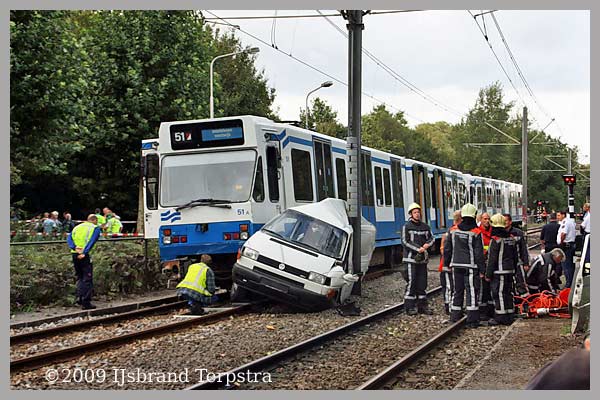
317, 278
250, 253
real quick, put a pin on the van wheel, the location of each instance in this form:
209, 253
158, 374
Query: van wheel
238, 294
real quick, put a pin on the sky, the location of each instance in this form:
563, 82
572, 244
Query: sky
442, 53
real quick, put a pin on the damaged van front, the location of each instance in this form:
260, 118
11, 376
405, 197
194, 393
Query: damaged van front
301, 257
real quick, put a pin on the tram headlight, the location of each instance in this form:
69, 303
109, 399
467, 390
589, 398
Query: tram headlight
317, 278
250, 253
166, 239
244, 235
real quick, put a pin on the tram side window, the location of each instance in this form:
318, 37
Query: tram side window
340, 171
152, 181
387, 187
258, 194
272, 174
479, 202
367, 181
302, 175
397, 184
378, 187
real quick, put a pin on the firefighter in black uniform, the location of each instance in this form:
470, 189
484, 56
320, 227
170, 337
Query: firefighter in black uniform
501, 266
416, 239
463, 252
543, 273
523, 262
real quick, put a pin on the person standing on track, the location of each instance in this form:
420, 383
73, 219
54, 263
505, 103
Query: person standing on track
81, 240
463, 253
523, 263
486, 303
566, 240
549, 233
416, 239
446, 278
501, 265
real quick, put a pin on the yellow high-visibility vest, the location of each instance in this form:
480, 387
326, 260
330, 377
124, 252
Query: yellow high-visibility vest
195, 279
82, 234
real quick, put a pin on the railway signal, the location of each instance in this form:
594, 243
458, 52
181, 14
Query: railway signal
570, 181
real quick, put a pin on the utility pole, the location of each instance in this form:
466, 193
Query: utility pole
353, 141
571, 191
524, 142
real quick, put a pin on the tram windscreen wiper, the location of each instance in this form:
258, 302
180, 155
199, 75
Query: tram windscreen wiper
206, 202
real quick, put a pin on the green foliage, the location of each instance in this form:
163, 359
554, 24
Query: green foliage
323, 119
88, 86
47, 278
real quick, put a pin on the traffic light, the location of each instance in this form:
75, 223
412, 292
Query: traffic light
539, 203
569, 179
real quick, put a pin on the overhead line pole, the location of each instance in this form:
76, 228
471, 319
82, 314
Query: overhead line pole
524, 143
353, 142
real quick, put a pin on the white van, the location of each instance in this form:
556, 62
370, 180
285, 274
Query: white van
303, 257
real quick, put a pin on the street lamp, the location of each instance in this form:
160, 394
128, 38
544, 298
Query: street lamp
324, 84
251, 50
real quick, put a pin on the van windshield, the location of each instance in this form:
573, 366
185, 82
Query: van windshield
309, 232
185, 177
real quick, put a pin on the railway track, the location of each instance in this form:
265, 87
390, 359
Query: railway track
273, 360
86, 348
384, 378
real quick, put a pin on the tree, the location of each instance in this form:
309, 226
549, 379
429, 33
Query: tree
49, 95
239, 88
323, 119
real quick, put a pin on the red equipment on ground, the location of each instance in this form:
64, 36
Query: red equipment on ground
544, 303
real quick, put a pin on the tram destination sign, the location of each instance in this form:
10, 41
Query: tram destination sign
207, 134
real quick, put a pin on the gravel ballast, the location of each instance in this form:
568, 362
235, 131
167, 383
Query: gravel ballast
215, 348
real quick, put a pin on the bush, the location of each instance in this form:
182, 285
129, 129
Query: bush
44, 275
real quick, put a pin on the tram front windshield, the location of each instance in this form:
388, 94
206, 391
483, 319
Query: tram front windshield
223, 176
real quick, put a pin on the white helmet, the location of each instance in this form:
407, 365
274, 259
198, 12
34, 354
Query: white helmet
468, 210
412, 207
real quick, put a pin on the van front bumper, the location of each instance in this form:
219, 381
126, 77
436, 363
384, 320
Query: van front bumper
279, 289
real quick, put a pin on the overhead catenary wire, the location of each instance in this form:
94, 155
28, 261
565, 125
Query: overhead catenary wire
485, 36
517, 68
224, 20
412, 87
298, 16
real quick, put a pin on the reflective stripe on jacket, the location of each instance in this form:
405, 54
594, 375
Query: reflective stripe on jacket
195, 279
414, 236
502, 257
464, 249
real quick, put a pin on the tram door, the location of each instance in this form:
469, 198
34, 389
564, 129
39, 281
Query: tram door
421, 191
368, 201
323, 170
438, 198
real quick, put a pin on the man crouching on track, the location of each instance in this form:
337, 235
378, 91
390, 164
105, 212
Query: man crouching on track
501, 265
198, 286
416, 238
463, 253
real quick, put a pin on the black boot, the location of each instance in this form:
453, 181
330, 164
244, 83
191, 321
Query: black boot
425, 310
88, 306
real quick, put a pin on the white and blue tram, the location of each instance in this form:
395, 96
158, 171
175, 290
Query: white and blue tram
210, 184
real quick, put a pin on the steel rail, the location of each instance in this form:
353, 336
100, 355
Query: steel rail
268, 361
70, 352
40, 333
97, 311
381, 379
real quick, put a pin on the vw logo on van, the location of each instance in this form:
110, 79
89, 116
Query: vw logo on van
282, 266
